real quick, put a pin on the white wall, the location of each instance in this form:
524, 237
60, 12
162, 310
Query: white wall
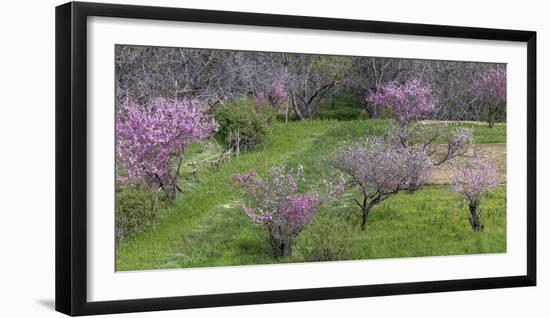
27, 158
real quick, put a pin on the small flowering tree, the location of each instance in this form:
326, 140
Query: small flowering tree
150, 137
473, 179
431, 138
410, 101
381, 169
277, 205
275, 97
491, 89
439, 142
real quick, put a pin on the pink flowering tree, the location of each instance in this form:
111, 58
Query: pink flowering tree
151, 137
274, 97
439, 142
474, 178
277, 205
491, 89
410, 101
380, 169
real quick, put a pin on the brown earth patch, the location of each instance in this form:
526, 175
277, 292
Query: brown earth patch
482, 123
443, 174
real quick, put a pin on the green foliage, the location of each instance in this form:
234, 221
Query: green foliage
347, 113
344, 106
328, 238
241, 125
135, 211
498, 112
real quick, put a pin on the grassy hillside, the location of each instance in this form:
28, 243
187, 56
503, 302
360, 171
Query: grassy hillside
205, 226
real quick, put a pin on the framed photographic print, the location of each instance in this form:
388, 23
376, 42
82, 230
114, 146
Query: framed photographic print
208, 158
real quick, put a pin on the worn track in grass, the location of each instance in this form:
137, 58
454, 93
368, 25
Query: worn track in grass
205, 226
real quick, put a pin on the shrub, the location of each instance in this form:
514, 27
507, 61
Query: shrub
326, 239
343, 106
134, 210
241, 126
347, 113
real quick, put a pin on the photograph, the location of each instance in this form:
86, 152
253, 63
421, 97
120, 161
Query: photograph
234, 158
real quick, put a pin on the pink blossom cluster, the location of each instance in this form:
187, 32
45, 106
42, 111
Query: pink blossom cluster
410, 101
475, 177
457, 144
277, 204
148, 137
380, 168
275, 96
491, 86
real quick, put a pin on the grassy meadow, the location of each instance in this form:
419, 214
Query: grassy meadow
205, 226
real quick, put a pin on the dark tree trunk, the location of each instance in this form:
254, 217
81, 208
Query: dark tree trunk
296, 109
491, 121
365, 222
366, 211
170, 186
365, 208
474, 218
491, 117
281, 248
413, 185
170, 189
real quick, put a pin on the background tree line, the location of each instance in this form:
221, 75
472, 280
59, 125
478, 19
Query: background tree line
312, 82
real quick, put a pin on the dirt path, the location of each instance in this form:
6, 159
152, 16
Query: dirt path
443, 174
482, 123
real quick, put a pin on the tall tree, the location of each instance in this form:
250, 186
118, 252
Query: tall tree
149, 138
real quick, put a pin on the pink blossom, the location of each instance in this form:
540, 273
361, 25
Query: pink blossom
381, 169
275, 96
410, 101
277, 204
148, 137
491, 86
474, 178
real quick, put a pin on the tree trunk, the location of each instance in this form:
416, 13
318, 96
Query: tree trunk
491, 121
296, 108
365, 220
413, 185
491, 117
170, 190
365, 223
474, 218
170, 184
281, 248
286, 112
365, 208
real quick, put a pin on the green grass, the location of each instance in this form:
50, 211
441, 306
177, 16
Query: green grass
205, 226
485, 135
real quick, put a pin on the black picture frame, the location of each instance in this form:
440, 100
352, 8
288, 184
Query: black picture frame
71, 157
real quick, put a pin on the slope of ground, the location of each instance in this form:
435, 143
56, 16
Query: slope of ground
205, 226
